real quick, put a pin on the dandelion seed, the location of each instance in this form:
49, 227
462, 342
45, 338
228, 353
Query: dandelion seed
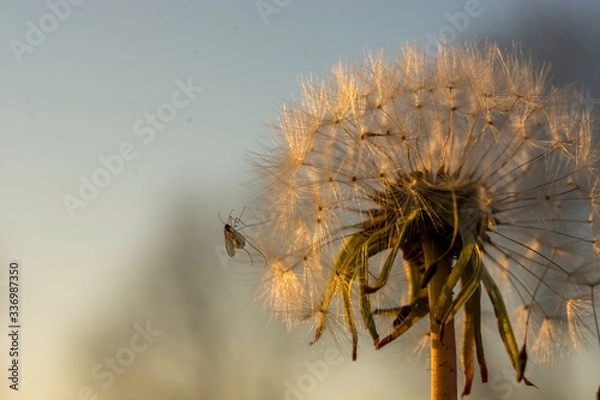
578, 312
468, 167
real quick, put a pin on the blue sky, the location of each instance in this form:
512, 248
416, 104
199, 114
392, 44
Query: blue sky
75, 96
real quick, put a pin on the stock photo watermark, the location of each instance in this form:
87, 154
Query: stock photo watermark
145, 129
316, 371
106, 371
37, 32
504, 384
458, 22
14, 326
267, 8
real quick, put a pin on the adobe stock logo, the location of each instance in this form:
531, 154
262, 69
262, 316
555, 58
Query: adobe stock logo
458, 22
266, 8
318, 371
35, 36
145, 128
105, 372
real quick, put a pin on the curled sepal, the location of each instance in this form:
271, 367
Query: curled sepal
474, 303
472, 336
504, 326
468, 354
402, 225
349, 319
341, 273
472, 328
471, 282
413, 313
376, 243
522, 366
457, 271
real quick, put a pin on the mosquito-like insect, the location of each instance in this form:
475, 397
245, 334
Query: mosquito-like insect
234, 240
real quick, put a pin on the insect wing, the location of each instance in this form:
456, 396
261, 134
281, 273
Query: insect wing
233, 240
229, 240
240, 240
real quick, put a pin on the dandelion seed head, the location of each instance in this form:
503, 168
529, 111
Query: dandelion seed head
475, 141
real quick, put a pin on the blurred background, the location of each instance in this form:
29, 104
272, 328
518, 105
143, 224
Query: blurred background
124, 131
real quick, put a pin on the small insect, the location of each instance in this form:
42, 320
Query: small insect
234, 240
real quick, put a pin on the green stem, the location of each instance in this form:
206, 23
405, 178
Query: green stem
443, 349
